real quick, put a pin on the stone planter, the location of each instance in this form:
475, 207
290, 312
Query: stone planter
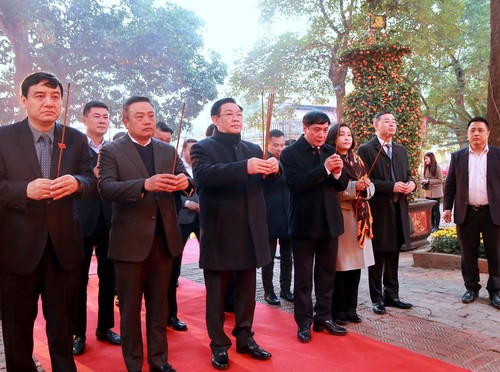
420, 218
432, 260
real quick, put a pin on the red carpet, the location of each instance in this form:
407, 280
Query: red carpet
274, 330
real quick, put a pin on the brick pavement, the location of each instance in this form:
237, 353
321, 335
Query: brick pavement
439, 325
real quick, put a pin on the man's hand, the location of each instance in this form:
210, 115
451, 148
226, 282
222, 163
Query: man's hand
166, 182
261, 166
334, 164
64, 186
404, 187
191, 205
447, 216
39, 189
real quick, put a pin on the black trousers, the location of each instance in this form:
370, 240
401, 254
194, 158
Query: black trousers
217, 284
383, 276
479, 222
313, 258
286, 263
106, 273
345, 294
19, 307
148, 278
186, 230
436, 213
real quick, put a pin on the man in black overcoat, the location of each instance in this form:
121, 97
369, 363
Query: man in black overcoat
313, 173
391, 222
229, 174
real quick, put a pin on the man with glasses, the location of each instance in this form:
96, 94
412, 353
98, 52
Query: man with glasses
389, 205
229, 174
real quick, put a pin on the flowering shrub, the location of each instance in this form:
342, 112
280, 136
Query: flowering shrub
446, 241
379, 86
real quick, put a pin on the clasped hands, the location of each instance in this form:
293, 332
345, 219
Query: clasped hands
404, 187
45, 188
363, 184
334, 164
166, 182
261, 166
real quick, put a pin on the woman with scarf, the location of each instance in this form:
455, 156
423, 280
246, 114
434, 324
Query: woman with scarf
355, 245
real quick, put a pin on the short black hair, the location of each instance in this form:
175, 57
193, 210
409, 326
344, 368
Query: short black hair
188, 141
38, 77
315, 117
276, 133
379, 114
89, 105
164, 127
215, 110
333, 134
480, 119
132, 100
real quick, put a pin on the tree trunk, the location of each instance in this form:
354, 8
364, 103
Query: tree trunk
494, 75
337, 75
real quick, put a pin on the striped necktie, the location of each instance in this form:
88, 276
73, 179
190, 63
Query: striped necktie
45, 155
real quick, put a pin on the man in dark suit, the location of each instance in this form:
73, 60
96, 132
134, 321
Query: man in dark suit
229, 175
41, 244
95, 218
391, 223
313, 174
277, 200
472, 186
189, 221
137, 174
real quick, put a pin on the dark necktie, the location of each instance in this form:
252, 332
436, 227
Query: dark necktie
393, 175
45, 155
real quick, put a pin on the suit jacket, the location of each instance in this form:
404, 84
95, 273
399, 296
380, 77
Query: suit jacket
456, 190
381, 204
233, 224
121, 180
314, 205
277, 199
26, 224
89, 208
186, 215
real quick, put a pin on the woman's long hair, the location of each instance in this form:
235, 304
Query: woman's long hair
432, 166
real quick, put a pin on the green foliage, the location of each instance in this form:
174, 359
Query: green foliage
112, 52
379, 86
446, 241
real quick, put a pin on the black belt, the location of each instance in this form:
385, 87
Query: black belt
478, 208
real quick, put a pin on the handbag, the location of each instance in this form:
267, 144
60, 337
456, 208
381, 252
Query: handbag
425, 185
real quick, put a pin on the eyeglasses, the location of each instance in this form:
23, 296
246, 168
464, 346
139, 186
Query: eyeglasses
230, 115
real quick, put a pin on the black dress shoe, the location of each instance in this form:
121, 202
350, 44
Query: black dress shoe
286, 295
396, 302
379, 308
354, 319
78, 345
469, 296
304, 334
495, 299
340, 321
272, 299
220, 359
176, 324
112, 337
330, 327
165, 368
254, 350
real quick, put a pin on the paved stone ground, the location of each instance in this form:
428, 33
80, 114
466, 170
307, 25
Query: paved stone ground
439, 325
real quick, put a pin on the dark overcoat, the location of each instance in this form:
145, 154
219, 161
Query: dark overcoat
382, 202
233, 228
314, 204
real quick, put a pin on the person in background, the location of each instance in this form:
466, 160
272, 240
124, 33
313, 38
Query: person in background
277, 206
355, 244
163, 132
189, 221
41, 245
137, 174
233, 243
472, 187
210, 130
432, 184
314, 174
95, 218
389, 205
